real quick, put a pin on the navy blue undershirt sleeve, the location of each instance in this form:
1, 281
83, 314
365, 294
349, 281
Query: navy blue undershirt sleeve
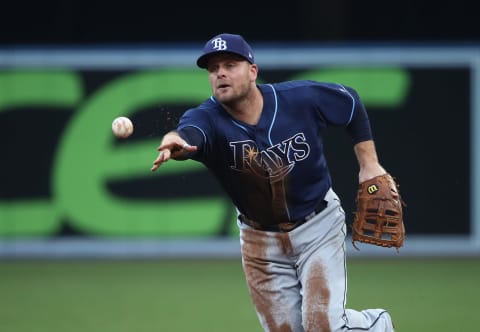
359, 127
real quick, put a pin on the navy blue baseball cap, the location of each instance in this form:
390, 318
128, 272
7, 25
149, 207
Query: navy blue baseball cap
225, 43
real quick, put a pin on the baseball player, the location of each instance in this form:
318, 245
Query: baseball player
263, 143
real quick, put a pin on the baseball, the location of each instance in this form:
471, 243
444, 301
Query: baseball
122, 127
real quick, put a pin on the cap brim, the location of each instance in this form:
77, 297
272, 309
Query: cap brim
202, 61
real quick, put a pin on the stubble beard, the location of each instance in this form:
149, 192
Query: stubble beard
236, 98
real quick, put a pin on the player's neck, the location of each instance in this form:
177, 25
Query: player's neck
249, 109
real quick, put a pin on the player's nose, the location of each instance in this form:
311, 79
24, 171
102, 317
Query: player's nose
221, 71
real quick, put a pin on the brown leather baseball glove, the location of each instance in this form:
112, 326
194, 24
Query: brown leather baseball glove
379, 216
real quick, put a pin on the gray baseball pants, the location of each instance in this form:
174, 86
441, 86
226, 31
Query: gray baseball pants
298, 280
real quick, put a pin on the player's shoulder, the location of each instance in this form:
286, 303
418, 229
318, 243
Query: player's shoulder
286, 85
308, 84
206, 107
304, 88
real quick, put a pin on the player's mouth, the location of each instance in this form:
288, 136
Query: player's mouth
222, 86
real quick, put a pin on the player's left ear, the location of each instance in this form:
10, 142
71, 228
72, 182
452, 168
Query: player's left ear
253, 72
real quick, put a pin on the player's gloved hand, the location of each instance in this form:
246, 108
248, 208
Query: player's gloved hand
379, 216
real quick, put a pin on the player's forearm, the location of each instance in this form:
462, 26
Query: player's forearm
367, 160
173, 146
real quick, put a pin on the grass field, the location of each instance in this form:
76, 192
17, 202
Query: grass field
208, 296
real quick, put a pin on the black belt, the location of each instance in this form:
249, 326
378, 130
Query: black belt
283, 227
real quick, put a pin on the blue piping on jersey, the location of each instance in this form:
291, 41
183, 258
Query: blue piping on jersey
201, 130
270, 133
239, 125
353, 102
274, 115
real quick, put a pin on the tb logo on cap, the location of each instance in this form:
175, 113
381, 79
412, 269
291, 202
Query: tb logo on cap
219, 44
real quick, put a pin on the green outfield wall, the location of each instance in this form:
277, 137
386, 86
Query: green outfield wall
63, 173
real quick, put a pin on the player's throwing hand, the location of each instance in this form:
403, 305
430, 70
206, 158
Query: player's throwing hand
172, 147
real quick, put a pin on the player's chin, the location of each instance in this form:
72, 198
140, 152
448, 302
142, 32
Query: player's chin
223, 97
226, 96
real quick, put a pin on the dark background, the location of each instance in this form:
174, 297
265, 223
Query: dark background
83, 23
335, 21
